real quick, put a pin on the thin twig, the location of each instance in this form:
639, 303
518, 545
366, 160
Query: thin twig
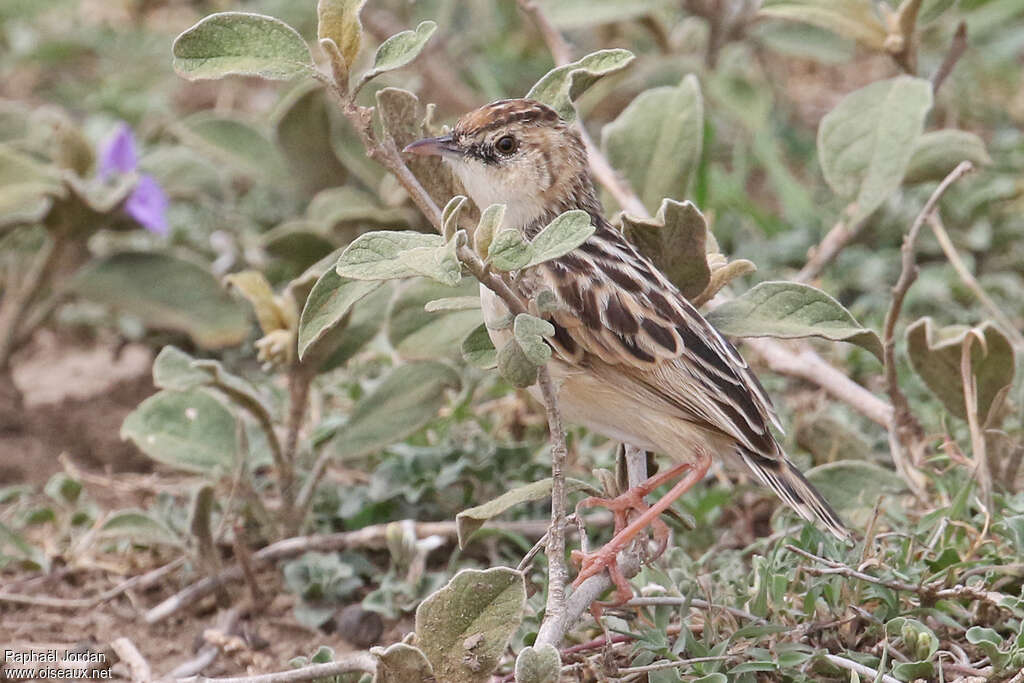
693, 602
659, 666
826, 251
141, 581
928, 592
368, 537
956, 50
1007, 326
905, 432
553, 38
346, 663
130, 655
558, 573
979, 453
850, 665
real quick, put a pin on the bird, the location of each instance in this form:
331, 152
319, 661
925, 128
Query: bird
632, 359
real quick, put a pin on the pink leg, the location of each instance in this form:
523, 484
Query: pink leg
605, 558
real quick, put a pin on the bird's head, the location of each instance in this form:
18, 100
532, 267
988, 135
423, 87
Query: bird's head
518, 153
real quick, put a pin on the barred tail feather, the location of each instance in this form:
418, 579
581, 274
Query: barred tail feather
782, 477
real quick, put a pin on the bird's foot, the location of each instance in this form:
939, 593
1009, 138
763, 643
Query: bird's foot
606, 557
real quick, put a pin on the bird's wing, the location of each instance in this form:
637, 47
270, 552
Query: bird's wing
616, 306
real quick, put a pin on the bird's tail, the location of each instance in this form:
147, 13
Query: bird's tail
782, 477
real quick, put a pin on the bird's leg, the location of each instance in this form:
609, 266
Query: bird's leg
594, 563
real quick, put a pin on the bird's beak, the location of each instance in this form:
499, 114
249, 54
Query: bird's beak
441, 146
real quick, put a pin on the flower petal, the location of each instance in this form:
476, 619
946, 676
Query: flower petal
118, 154
148, 205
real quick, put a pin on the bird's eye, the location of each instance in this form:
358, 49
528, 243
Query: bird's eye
506, 144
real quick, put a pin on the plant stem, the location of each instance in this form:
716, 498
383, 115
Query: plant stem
19, 296
558, 573
905, 432
939, 230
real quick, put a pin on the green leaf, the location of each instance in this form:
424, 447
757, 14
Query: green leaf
400, 49
23, 550
408, 398
416, 333
529, 333
560, 87
173, 369
140, 527
453, 303
656, 141
789, 310
238, 43
363, 325
865, 144
509, 251
327, 308
854, 487
243, 147
676, 241
560, 236
450, 216
440, 264
339, 21
853, 19
401, 663
938, 152
340, 209
463, 628
166, 293
478, 351
538, 665
26, 187
935, 354
188, 430
379, 256
302, 130
469, 521
489, 223
514, 365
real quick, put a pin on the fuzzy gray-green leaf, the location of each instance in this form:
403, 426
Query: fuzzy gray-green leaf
400, 49
417, 333
515, 366
675, 239
560, 236
478, 350
377, 255
538, 665
187, 430
327, 307
166, 293
865, 144
789, 310
938, 152
402, 663
853, 19
238, 43
656, 141
560, 87
405, 400
529, 333
463, 628
935, 354
509, 251
468, 521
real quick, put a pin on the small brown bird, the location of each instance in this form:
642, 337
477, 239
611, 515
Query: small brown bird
633, 359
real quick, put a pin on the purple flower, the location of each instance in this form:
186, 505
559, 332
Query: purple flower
148, 202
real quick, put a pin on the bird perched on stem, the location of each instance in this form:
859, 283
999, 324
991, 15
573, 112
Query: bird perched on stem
633, 359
